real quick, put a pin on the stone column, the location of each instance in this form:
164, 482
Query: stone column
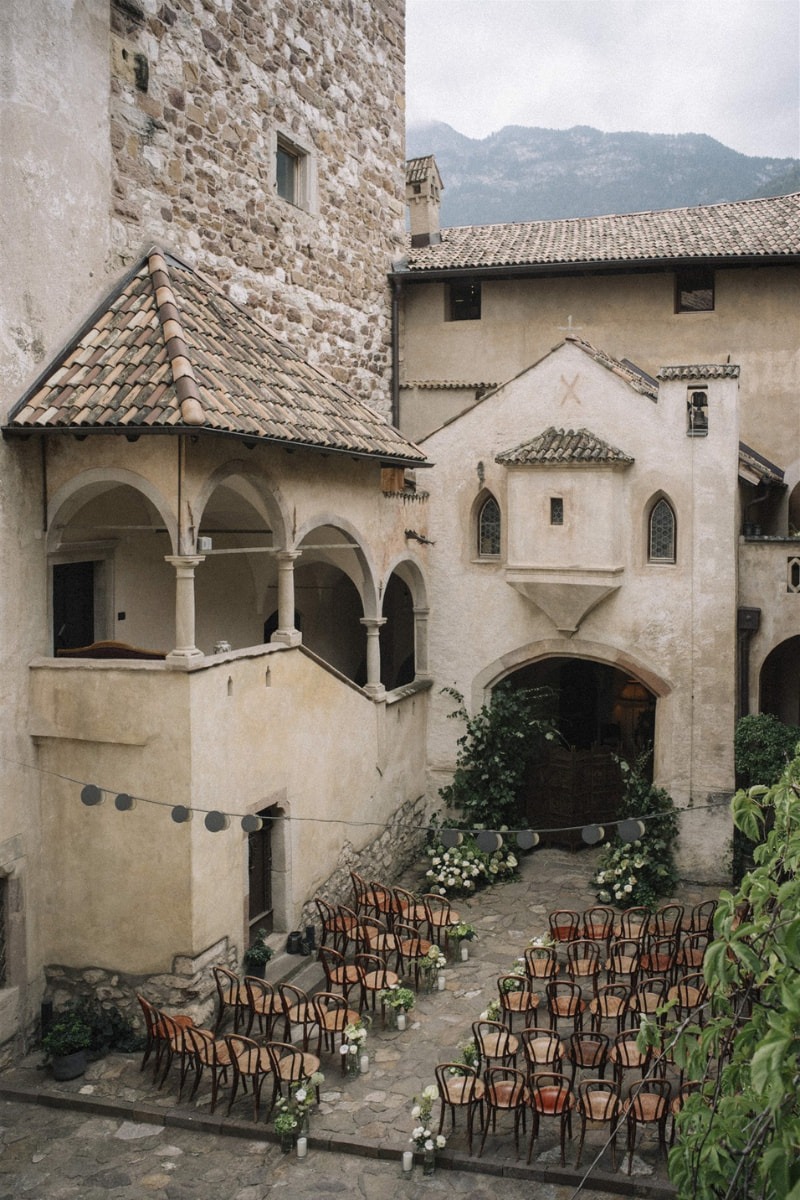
286, 632
373, 686
185, 651
421, 667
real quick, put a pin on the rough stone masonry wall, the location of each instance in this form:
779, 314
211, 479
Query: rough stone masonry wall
199, 91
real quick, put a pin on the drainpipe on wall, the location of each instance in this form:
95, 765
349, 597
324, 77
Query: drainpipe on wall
397, 288
748, 621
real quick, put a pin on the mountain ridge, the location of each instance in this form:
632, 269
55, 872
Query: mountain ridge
530, 173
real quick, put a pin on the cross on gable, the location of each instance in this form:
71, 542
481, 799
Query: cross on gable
569, 328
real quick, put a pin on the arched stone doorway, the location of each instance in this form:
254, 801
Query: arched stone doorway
602, 714
779, 682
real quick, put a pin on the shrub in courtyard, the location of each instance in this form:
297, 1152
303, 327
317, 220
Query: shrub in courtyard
763, 746
494, 753
738, 1136
640, 872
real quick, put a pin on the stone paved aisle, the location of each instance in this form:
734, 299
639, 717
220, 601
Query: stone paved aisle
113, 1135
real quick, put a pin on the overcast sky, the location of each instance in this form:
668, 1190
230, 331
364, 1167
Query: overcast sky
728, 68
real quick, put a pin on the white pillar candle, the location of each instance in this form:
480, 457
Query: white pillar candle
364, 1063
464, 951
302, 1147
408, 1162
401, 1019
441, 981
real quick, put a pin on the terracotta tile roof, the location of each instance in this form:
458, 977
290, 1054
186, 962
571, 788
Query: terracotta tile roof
168, 350
639, 380
556, 446
740, 229
701, 371
751, 463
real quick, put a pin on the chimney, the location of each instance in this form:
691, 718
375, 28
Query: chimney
423, 189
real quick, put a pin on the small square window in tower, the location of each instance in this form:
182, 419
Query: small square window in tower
694, 291
464, 301
697, 412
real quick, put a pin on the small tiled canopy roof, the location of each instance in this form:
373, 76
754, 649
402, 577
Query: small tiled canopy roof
765, 229
167, 351
556, 446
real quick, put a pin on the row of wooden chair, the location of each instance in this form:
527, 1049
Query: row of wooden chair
344, 928
629, 959
234, 1059
550, 1094
601, 922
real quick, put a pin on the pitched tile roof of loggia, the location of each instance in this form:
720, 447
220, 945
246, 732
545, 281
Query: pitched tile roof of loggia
745, 229
168, 351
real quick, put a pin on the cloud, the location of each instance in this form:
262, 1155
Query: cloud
727, 68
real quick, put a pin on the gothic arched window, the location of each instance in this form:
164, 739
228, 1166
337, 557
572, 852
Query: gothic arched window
661, 533
489, 529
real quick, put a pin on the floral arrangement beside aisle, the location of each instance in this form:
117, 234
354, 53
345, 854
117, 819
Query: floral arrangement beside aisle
355, 1035
292, 1113
462, 870
430, 966
422, 1136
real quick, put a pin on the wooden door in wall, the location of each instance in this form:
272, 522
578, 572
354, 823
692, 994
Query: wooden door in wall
569, 788
259, 849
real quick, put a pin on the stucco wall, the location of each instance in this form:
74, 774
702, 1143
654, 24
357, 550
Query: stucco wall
672, 625
134, 889
756, 316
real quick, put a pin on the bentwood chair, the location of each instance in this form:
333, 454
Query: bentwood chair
551, 1096
264, 1005
175, 1049
587, 1051
460, 1088
584, 962
648, 1104
541, 962
157, 1033
408, 909
597, 923
290, 1067
298, 1012
505, 1091
374, 978
249, 1062
495, 1044
231, 994
565, 925
565, 1002
624, 1055
332, 1017
598, 1103
516, 998
413, 949
339, 974
439, 914
337, 929
211, 1054
543, 1050
610, 1004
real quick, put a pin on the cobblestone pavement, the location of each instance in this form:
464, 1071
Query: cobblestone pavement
114, 1135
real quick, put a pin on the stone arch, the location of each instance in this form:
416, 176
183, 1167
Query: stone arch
404, 636
109, 533
240, 514
358, 564
72, 496
779, 681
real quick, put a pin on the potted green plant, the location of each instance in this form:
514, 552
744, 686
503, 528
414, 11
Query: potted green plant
257, 955
399, 1001
65, 1044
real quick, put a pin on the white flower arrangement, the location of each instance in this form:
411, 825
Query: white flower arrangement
462, 869
422, 1136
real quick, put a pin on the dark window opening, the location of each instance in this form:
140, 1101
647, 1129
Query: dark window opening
556, 510
259, 853
464, 302
73, 605
694, 291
